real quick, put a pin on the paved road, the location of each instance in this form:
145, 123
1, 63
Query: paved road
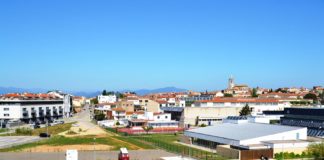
109, 155
8, 141
84, 122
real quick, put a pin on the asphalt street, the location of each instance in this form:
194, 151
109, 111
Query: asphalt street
8, 141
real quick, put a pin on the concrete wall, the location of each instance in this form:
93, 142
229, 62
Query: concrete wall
190, 114
226, 151
290, 135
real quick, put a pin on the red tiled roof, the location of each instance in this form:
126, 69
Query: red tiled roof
118, 109
162, 101
129, 113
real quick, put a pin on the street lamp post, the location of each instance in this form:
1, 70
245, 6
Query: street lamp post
94, 148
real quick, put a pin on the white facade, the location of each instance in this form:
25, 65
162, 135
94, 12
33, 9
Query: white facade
107, 99
33, 107
257, 107
67, 102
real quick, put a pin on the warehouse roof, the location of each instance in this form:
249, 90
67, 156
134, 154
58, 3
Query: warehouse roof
242, 131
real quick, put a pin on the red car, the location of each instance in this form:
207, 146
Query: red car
123, 154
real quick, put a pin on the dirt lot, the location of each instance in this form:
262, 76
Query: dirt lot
46, 148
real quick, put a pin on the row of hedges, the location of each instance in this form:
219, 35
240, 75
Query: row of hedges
292, 155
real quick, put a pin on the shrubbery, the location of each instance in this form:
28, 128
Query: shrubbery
291, 155
70, 132
24, 131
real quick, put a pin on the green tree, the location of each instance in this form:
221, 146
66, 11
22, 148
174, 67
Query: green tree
104, 92
228, 95
246, 110
94, 101
316, 150
100, 116
203, 125
119, 95
281, 90
311, 96
254, 92
147, 128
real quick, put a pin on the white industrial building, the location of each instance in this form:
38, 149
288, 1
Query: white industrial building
242, 135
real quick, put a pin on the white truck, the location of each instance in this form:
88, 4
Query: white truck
71, 155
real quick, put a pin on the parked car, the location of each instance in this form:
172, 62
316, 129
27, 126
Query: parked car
58, 121
123, 154
44, 135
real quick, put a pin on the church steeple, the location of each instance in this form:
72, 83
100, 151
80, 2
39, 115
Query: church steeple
231, 82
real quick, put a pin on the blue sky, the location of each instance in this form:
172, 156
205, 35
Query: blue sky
91, 45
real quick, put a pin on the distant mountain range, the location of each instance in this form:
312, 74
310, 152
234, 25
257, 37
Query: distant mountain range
4, 90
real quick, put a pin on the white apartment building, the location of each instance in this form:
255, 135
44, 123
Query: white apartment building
32, 107
107, 98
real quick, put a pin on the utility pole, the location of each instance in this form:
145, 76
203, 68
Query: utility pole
47, 127
94, 148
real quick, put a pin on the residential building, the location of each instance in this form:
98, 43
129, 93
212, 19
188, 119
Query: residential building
107, 98
67, 102
78, 103
146, 104
31, 108
128, 106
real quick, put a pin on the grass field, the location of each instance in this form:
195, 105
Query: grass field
168, 143
53, 130
84, 140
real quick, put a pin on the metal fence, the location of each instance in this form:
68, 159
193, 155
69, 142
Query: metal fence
180, 149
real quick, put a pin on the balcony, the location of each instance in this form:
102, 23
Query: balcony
61, 111
48, 113
25, 114
55, 113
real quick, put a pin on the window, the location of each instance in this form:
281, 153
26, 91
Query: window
158, 117
6, 109
166, 117
6, 115
146, 100
24, 109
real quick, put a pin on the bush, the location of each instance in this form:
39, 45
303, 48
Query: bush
316, 150
291, 155
70, 132
100, 117
24, 131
